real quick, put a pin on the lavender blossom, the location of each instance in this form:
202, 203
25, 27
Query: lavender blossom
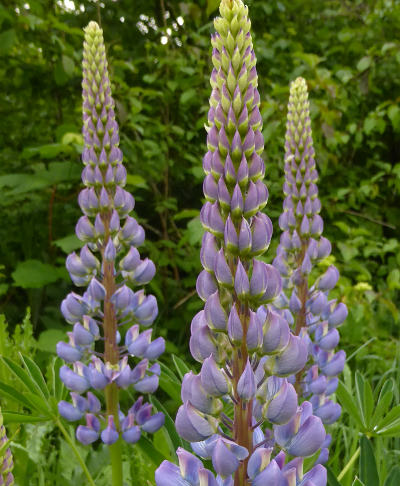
306, 295
99, 358
245, 346
6, 458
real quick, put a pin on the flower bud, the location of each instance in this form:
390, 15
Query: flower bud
213, 379
246, 387
89, 433
109, 435
192, 425
215, 313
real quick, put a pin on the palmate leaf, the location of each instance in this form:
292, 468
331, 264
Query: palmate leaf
20, 374
36, 395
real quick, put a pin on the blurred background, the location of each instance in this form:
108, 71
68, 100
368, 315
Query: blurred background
159, 56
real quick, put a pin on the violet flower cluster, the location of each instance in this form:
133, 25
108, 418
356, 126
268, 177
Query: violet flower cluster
6, 458
240, 411
305, 298
99, 359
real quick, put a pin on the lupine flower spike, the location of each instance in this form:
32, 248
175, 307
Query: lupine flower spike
100, 360
313, 314
6, 459
245, 348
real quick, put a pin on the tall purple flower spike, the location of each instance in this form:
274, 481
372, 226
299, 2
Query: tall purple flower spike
246, 349
108, 265
302, 245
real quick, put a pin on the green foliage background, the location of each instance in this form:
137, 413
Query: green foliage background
349, 52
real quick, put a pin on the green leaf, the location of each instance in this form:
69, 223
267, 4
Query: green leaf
358, 482
151, 452
359, 384
195, 231
170, 383
22, 418
21, 375
187, 96
348, 403
68, 243
348, 251
68, 65
367, 465
176, 440
136, 181
48, 151
33, 274
384, 401
344, 75
186, 213
393, 478
48, 339
212, 5
393, 279
170, 387
36, 375
58, 389
12, 394
368, 400
181, 367
393, 113
332, 480
390, 423
364, 63
7, 41
39, 403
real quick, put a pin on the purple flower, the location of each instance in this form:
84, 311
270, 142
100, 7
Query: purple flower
314, 317
108, 265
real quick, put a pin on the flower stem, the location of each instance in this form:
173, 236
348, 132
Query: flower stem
76, 452
242, 426
111, 355
116, 463
115, 449
349, 464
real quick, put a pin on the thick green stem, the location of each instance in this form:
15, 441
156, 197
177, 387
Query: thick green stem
349, 464
116, 463
76, 452
115, 449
